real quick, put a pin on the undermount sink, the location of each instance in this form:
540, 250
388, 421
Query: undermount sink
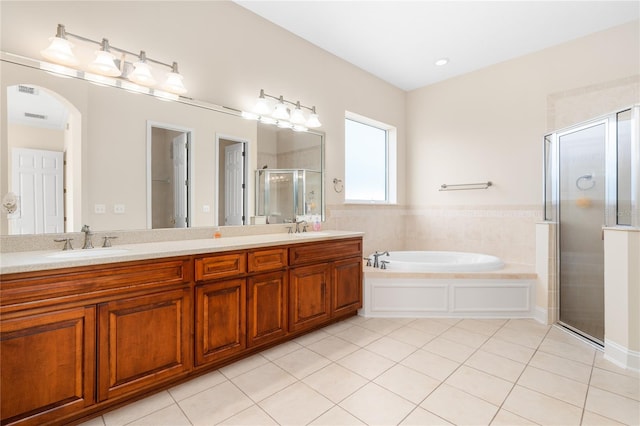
311, 234
82, 254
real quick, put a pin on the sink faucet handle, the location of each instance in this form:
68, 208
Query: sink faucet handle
67, 243
383, 264
107, 240
368, 259
290, 229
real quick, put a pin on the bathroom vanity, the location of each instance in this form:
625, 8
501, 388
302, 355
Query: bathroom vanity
82, 335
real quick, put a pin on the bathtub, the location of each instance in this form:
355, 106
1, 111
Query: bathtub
448, 284
441, 261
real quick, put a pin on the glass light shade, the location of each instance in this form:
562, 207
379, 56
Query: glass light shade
268, 120
249, 115
174, 84
281, 112
262, 106
313, 121
299, 128
59, 51
284, 124
297, 116
104, 64
141, 74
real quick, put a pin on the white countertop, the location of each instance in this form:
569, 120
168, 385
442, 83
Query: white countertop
28, 261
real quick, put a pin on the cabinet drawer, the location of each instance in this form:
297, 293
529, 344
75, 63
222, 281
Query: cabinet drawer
45, 287
325, 251
220, 266
267, 260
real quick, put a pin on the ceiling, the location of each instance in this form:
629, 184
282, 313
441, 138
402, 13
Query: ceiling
399, 41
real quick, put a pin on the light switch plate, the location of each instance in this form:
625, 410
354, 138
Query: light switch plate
118, 208
99, 209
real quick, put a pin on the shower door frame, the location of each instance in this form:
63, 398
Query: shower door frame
551, 201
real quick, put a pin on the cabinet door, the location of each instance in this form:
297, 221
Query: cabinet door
267, 318
142, 341
48, 365
309, 296
220, 320
347, 286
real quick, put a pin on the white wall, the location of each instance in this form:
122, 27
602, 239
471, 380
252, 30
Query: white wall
226, 53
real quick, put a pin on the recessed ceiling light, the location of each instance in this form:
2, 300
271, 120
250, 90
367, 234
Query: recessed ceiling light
442, 61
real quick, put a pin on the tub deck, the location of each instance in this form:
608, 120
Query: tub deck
506, 293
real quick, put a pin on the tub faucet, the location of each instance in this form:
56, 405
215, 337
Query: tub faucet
376, 255
87, 237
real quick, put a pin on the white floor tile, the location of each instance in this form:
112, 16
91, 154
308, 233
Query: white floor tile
335, 382
244, 365
422, 417
169, 416
215, 404
429, 326
375, 405
477, 383
430, 364
482, 326
359, 335
505, 418
562, 366
412, 336
408, 383
449, 349
280, 350
366, 363
459, 407
196, 385
553, 385
391, 348
614, 406
252, 416
302, 362
297, 404
617, 383
509, 350
263, 381
465, 337
496, 365
541, 408
333, 347
138, 409
336, 416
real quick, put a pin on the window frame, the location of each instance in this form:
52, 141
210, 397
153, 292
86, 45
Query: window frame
391, 155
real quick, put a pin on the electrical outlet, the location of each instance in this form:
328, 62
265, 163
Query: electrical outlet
118, 208
206, 209
99, 209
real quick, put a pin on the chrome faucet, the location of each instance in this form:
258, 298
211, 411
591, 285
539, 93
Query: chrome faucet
376, 255
87, 237
304, 226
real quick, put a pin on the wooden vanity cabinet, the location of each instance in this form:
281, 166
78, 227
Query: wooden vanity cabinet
143, 341
325, 282
220, 307
74, 340
48, 365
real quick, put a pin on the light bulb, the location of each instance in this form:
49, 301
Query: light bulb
262, 105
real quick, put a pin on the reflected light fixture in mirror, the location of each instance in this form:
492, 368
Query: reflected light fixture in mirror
279, 114
60, 51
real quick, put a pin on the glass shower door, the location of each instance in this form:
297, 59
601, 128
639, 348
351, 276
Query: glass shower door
582, 206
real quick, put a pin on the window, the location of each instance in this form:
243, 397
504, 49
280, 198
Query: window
370, 161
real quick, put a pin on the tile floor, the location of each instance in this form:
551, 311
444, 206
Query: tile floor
406, 372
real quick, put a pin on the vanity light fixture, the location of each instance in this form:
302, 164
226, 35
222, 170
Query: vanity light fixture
60, 51
280, 114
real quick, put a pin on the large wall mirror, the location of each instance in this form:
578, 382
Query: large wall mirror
79, 153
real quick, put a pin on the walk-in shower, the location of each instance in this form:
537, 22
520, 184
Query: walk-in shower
591, 181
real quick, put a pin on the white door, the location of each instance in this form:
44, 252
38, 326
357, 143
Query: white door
234, 184
37, 179
180, 180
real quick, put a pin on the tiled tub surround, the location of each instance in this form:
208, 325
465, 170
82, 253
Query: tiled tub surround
506, 293
504, 231
406, 372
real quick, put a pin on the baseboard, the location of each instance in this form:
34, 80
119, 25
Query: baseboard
621, 356
541, 315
